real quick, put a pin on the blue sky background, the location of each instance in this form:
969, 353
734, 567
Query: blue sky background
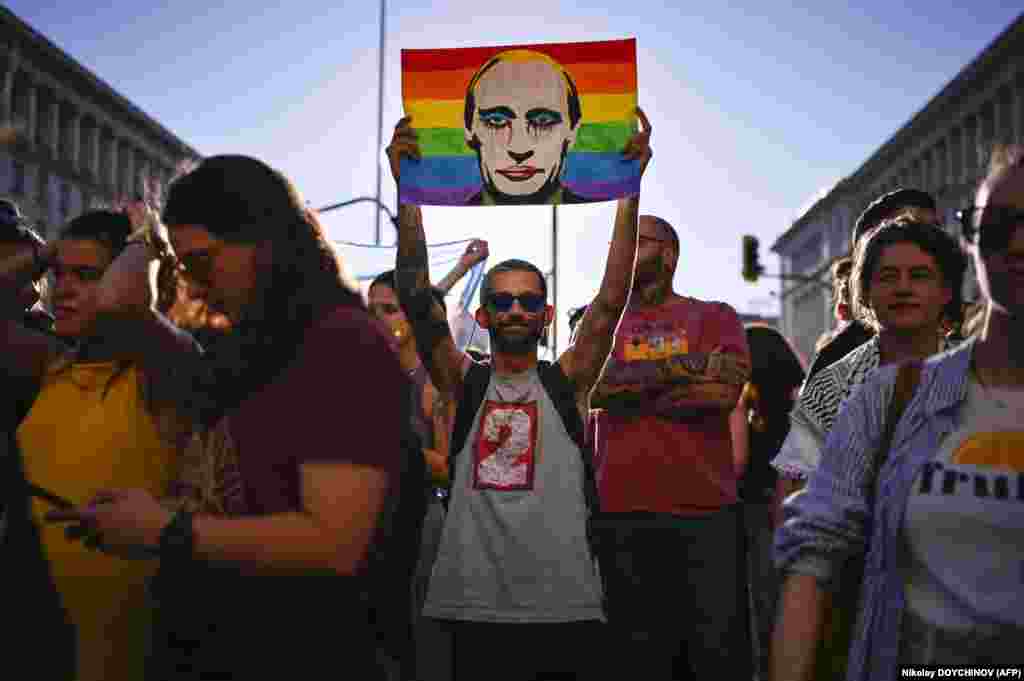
755, 106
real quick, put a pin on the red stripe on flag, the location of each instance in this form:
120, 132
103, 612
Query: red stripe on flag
605, 52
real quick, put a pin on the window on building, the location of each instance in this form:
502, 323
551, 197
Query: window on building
65, 200
809, 256
1005, 132
809, 318
18, 181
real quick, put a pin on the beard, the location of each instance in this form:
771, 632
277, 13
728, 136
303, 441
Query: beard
519, 343
650, 270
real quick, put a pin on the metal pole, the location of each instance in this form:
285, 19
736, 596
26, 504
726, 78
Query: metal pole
554, 280
380, 116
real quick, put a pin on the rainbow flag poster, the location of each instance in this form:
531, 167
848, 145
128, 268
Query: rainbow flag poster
520, 125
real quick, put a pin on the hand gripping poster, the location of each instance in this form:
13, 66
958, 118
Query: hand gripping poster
520, 125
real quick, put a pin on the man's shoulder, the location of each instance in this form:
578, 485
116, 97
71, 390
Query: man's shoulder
695, 308
846, 341
345, 318
347, 332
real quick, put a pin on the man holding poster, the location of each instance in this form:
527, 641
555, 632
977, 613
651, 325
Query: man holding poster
515, 548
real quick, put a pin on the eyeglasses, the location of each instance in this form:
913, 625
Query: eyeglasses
530, 302
197, 265
995, 233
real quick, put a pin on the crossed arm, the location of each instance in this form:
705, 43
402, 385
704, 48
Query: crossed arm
682, 388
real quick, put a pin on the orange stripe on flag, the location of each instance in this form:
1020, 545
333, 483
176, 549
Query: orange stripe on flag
591, 79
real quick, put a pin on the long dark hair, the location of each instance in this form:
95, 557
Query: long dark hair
242, 200
775, 371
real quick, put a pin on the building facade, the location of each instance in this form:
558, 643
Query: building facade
79, 143
943, 150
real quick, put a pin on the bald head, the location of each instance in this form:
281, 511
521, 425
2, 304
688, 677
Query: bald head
653, 226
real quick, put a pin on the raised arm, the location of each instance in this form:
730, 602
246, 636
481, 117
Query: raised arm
127, 297
476, 252
585, 360
434, 342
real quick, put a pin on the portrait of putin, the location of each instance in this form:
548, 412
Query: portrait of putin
522, 114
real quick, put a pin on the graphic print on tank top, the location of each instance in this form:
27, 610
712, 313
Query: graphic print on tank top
506, 447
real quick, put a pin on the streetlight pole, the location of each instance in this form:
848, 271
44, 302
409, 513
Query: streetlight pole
554, 280
378, 237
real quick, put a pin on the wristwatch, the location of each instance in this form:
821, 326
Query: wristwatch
177, 540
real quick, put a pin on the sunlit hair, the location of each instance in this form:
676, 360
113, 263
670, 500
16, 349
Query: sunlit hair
840, 273
974, 318
1002, 159
572, 94
244, 201
932, 239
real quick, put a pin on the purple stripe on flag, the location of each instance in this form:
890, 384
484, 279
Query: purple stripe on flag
436, 196
599, 191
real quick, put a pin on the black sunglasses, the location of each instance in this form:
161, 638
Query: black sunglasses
995, 233
530, 302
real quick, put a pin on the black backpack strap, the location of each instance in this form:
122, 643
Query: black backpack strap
562, 392
474, 389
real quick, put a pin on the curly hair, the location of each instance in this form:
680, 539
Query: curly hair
930, 238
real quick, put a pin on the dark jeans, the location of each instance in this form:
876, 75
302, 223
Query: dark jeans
677, 596
213, 624
528, 652
763, 578
433, 641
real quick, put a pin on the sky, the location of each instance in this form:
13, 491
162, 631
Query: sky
756, 107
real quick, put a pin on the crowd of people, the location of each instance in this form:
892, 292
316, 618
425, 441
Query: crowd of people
221, 461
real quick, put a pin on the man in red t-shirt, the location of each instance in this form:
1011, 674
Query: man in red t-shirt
671, 525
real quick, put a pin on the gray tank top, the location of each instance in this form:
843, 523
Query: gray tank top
514, 545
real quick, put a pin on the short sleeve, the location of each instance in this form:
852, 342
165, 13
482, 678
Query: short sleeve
724, 334
355, 397
728, 335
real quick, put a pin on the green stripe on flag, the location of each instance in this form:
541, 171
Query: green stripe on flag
603, 136
591, 137
443, 142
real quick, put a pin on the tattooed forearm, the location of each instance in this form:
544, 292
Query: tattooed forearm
412, 272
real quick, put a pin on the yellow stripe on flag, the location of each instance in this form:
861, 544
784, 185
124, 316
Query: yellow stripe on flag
448, 113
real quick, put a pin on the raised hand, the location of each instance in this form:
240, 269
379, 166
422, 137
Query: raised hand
129, 283
639, 146
403, 143
476, 252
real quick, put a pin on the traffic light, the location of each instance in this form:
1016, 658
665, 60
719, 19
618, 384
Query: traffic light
752, 268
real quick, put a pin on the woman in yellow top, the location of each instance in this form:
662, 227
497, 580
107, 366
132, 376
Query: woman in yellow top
93, 424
